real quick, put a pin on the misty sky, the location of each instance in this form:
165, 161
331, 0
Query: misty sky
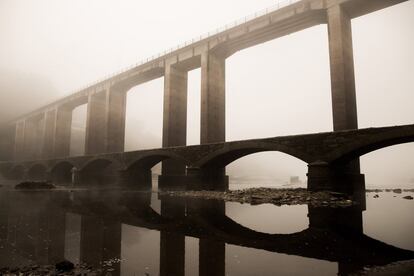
51, 47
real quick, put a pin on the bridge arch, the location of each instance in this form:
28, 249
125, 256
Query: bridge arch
221, 158
138, 171
354, 150
61, 172
99, 171
37, 172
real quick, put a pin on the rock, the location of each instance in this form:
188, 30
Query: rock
32, 185
408, 197
64, 266
397, 191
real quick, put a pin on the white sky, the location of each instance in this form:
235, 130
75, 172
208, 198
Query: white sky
277, 88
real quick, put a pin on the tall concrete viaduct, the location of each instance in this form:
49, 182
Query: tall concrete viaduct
44, 134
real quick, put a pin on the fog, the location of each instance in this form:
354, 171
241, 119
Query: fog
50, 48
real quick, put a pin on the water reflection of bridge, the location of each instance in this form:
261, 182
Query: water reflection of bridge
36, 230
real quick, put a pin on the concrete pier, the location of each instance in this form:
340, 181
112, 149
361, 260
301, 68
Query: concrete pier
342, 69
19, 141
49, 134
175, 116
96, 123
62, 132
213, 123
115, 110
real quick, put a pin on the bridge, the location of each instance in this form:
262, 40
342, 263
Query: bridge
39, 142
328, 156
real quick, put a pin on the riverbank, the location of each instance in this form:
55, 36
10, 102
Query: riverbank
255, 196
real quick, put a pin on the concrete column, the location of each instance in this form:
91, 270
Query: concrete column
175, 116
212, 98
212, 257
19, 141
7, 136
63, 131
342, 69
96, 123
212, 253
56, 234
40, 136
30, 133
49, 134
172, 254
175, 107
91, 241
172, 245
116, 108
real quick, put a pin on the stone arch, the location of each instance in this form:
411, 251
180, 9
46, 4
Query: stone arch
37, 172
219, 159
99, 172
138, 173
355, 150
61, 172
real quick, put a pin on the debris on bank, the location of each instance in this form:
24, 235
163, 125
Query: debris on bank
34, 185
397, 268
255, 196
108, 268
397, 191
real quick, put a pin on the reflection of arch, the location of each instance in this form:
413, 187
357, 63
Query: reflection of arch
61, 172
37, 172
326, 241
354, 150
222, 157
99, 171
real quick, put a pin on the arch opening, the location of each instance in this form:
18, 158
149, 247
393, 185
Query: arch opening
295, 114
37, 173
144, 115
389, 167
61, 174
145, 173
256, 167
99, 172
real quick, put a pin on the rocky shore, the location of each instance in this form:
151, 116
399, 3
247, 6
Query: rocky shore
64, 268
255, 196
397, 268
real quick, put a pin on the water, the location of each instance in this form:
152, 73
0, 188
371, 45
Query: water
143, 234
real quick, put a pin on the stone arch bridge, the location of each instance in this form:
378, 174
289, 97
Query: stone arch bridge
328, 156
